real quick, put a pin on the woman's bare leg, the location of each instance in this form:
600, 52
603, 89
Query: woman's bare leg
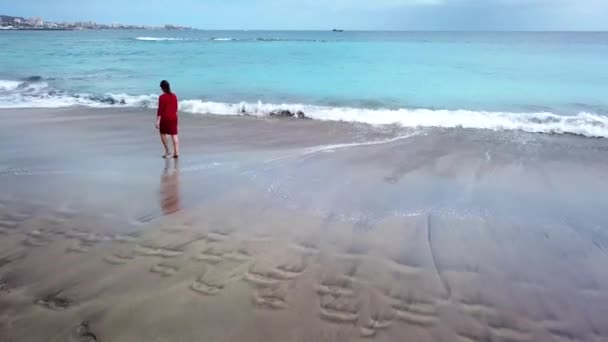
175, 140
163, 139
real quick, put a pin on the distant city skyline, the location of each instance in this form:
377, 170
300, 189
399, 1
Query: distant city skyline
499, 15
38, 23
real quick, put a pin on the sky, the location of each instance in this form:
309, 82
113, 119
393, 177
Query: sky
487, 15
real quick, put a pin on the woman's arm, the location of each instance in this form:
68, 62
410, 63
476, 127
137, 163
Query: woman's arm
159, 112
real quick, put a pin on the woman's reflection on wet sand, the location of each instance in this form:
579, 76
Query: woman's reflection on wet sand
169, 187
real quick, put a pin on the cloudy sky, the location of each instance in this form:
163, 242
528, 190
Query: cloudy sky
326, 14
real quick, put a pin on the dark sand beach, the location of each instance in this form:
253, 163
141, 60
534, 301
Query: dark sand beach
281, 230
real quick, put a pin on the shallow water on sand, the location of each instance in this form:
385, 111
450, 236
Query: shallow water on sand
283, 230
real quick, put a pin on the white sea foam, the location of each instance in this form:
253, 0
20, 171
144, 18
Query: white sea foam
56, 101
586, 124
226, 39
159, 39
37, 94
9, 85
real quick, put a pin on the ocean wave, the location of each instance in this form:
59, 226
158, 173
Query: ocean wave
9, 85
159, 39
229, 39
293, 40
586, 124
14, 94
34, 79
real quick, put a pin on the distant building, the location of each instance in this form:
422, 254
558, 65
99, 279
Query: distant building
85, 24
35, 21
20, 23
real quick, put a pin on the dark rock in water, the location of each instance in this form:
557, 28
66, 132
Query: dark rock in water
301, 115
33, 79
285, 113
106, 100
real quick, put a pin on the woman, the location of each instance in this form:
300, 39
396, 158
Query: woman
166, 119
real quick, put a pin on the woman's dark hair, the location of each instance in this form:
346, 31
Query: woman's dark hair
165, 86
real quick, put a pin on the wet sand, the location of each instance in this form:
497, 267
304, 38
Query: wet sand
297, 230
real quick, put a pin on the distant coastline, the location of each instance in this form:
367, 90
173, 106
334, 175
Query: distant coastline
79, 29
12, 23
35, 29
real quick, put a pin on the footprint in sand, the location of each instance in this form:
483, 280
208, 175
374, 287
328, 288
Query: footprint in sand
7, 259
379, 317
336, 291
206, 287
119, 258
77, 248
54, 302
120, 238
76, 234
156, 251
212, 254
416, 313
239, 255
4, 287
217, 236
469, 336
213, 281
259, 279
93, 239
306, 245
164, 269
271, 298
337, 286
558, 330
37, 238
292, 268
268, 276
146, 218
7, 226
375, 324
499, 327
83, 333
339, 310
16, 217
264, 276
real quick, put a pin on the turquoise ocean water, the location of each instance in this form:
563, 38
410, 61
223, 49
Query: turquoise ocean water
540, 82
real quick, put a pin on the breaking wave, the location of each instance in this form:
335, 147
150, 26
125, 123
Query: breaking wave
35, 92
159, 39
226, 39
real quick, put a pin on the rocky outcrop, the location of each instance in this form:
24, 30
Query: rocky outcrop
284, 113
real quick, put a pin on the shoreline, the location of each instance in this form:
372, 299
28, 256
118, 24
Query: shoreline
333, 231
36, 29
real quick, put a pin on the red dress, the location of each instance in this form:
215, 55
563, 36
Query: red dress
167, 111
